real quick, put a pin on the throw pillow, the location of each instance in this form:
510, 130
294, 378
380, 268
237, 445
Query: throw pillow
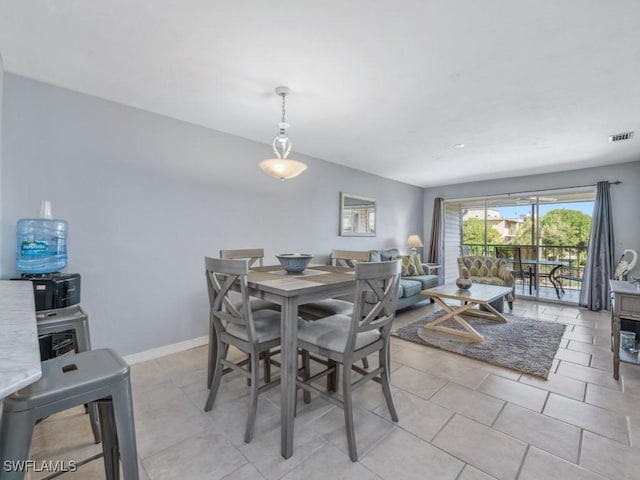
409, 268
418, 264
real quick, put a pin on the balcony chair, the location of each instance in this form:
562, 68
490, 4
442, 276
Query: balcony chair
345, 340
513, 254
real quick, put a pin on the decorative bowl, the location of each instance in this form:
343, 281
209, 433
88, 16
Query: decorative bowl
294, 262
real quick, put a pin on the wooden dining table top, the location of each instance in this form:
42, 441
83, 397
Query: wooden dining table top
274, 279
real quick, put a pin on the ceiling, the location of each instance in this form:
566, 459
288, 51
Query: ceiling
388, 87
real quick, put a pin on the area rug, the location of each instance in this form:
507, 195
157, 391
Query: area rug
521, 344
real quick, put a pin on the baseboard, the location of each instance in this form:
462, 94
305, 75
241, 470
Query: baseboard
166, 350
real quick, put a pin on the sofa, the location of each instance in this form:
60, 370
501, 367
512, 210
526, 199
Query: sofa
410, 286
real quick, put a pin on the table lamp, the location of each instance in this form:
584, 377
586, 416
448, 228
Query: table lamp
414, 242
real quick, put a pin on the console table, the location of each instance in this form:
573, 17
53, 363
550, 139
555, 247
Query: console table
625, 305
19, 348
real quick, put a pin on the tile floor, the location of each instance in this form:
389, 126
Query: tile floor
459, 418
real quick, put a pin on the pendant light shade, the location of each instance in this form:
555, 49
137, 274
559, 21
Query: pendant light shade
281, 167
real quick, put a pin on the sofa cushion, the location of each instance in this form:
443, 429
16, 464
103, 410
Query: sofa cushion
375, 256
389, 254
427, 281
409, 288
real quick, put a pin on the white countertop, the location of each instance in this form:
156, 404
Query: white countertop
19, 347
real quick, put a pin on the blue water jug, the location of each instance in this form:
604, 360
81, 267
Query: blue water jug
41, 245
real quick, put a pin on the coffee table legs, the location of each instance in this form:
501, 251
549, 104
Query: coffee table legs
469, 331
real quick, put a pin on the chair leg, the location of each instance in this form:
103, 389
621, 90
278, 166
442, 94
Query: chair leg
365, 362
348, 413
386, 382
267, 366
16, 431
306, 365
125, 426
333, 379
217, 376
253, 399
92, 408
110, 448
213, 345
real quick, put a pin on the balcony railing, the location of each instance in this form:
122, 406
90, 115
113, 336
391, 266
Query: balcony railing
573, 257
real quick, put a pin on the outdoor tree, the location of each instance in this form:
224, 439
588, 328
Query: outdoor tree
473, 232
564, 227
560, 226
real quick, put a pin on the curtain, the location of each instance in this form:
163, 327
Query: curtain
436, 254
594, 293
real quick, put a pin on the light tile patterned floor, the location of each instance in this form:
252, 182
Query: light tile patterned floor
459, 418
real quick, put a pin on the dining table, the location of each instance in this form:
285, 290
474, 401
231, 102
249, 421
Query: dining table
19, 347
289, 290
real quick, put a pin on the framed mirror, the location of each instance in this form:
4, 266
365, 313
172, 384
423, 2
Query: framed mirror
357, 216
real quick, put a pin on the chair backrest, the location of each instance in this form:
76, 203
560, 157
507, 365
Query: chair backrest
349, 258
517, 261
376, 298
253, 255
478, 266
222, 274
528, 252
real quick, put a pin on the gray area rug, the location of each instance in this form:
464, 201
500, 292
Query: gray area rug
521, 344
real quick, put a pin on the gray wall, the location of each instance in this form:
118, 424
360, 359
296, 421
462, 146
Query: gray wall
147, 197
625, 197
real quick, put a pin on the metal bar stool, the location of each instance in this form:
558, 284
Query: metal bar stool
76, 320
95, 376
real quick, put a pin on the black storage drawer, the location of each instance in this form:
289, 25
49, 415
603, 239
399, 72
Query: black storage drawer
54, 290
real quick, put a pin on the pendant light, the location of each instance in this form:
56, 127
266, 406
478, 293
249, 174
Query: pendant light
282, 167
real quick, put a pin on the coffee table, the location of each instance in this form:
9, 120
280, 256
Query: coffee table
478, 294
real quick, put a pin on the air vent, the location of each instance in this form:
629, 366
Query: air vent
619, 137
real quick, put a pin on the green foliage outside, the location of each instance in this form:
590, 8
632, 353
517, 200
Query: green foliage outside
565, 227
473, 232
559, 227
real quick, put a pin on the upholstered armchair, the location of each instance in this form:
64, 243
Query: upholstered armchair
488, 271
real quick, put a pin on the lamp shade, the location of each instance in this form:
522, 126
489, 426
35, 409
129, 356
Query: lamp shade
414, 241
282, 168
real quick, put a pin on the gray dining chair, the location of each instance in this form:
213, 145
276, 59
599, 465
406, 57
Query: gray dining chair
253, 333
253, 256
344, 340
335, 306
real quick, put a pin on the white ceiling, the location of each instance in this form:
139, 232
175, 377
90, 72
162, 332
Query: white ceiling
389, 87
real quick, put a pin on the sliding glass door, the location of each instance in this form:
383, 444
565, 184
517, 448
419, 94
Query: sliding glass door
543, 235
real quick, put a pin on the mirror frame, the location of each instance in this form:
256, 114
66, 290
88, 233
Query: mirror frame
345, 231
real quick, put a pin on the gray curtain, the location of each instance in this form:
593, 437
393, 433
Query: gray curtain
594, 293
436, 255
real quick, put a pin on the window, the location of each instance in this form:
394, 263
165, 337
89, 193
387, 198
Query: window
549, 226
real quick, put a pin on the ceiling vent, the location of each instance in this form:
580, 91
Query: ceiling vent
619, 137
